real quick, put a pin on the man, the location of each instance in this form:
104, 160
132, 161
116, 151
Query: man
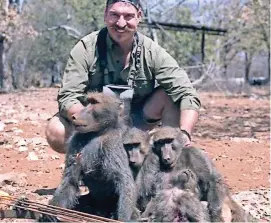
130, 58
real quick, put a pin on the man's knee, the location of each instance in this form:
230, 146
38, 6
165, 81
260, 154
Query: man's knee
57, 132
158, 105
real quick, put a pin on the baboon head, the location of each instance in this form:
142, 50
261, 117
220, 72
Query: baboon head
185, 179
136, 144
101, 112
167, 144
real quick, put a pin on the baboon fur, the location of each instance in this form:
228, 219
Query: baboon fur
168, 145
178, 201
137, 146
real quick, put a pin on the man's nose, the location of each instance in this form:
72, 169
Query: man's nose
121, 22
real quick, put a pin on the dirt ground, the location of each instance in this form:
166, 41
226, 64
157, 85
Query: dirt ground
233, 130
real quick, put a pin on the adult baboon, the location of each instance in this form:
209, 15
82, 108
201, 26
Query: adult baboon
178, 201
96, 156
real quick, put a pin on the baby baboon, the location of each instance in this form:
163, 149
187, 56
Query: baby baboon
168, 145
136, 144
178, 201
97, 157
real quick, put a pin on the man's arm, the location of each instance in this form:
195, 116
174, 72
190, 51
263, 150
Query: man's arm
188, 119
177, 85
75, 80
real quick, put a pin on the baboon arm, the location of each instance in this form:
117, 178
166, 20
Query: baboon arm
68, 191
150, 208
215, 198
127, 197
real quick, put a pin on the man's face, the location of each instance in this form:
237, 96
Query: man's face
122, 20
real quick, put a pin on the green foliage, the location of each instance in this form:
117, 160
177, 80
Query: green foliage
53, 44
42, 37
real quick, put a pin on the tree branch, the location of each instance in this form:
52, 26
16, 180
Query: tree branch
70, 31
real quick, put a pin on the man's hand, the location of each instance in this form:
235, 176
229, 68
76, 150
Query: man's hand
74, 109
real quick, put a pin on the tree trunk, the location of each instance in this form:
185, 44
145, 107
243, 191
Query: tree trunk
5, 78
247, 67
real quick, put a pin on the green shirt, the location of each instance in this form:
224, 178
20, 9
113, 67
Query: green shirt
83, 73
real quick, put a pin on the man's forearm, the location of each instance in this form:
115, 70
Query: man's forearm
188, 119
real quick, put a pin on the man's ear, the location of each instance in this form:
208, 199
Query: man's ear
140, 15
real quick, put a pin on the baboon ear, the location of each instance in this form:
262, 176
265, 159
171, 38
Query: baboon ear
151, 135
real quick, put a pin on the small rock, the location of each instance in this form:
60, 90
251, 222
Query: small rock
55, 157
13, 179
236, 139
32, 156
61, 166
250, 124
216, 117
18, 131
8, 146
22, 142
10, 121
39, 141
2, 126
36, 149
22, 149
44, 156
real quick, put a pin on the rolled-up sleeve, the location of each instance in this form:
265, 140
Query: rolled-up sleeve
75, 78
174, 80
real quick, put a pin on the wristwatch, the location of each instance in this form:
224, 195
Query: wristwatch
186, 133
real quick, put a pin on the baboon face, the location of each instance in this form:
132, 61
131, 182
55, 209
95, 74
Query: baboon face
136, 154
167, 144
136, 144
101, 112
167, 151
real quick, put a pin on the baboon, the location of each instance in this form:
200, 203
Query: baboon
168, 145
152, 171
137, 146
96, 156
178, 201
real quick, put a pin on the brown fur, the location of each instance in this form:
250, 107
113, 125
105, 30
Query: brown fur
178, 201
